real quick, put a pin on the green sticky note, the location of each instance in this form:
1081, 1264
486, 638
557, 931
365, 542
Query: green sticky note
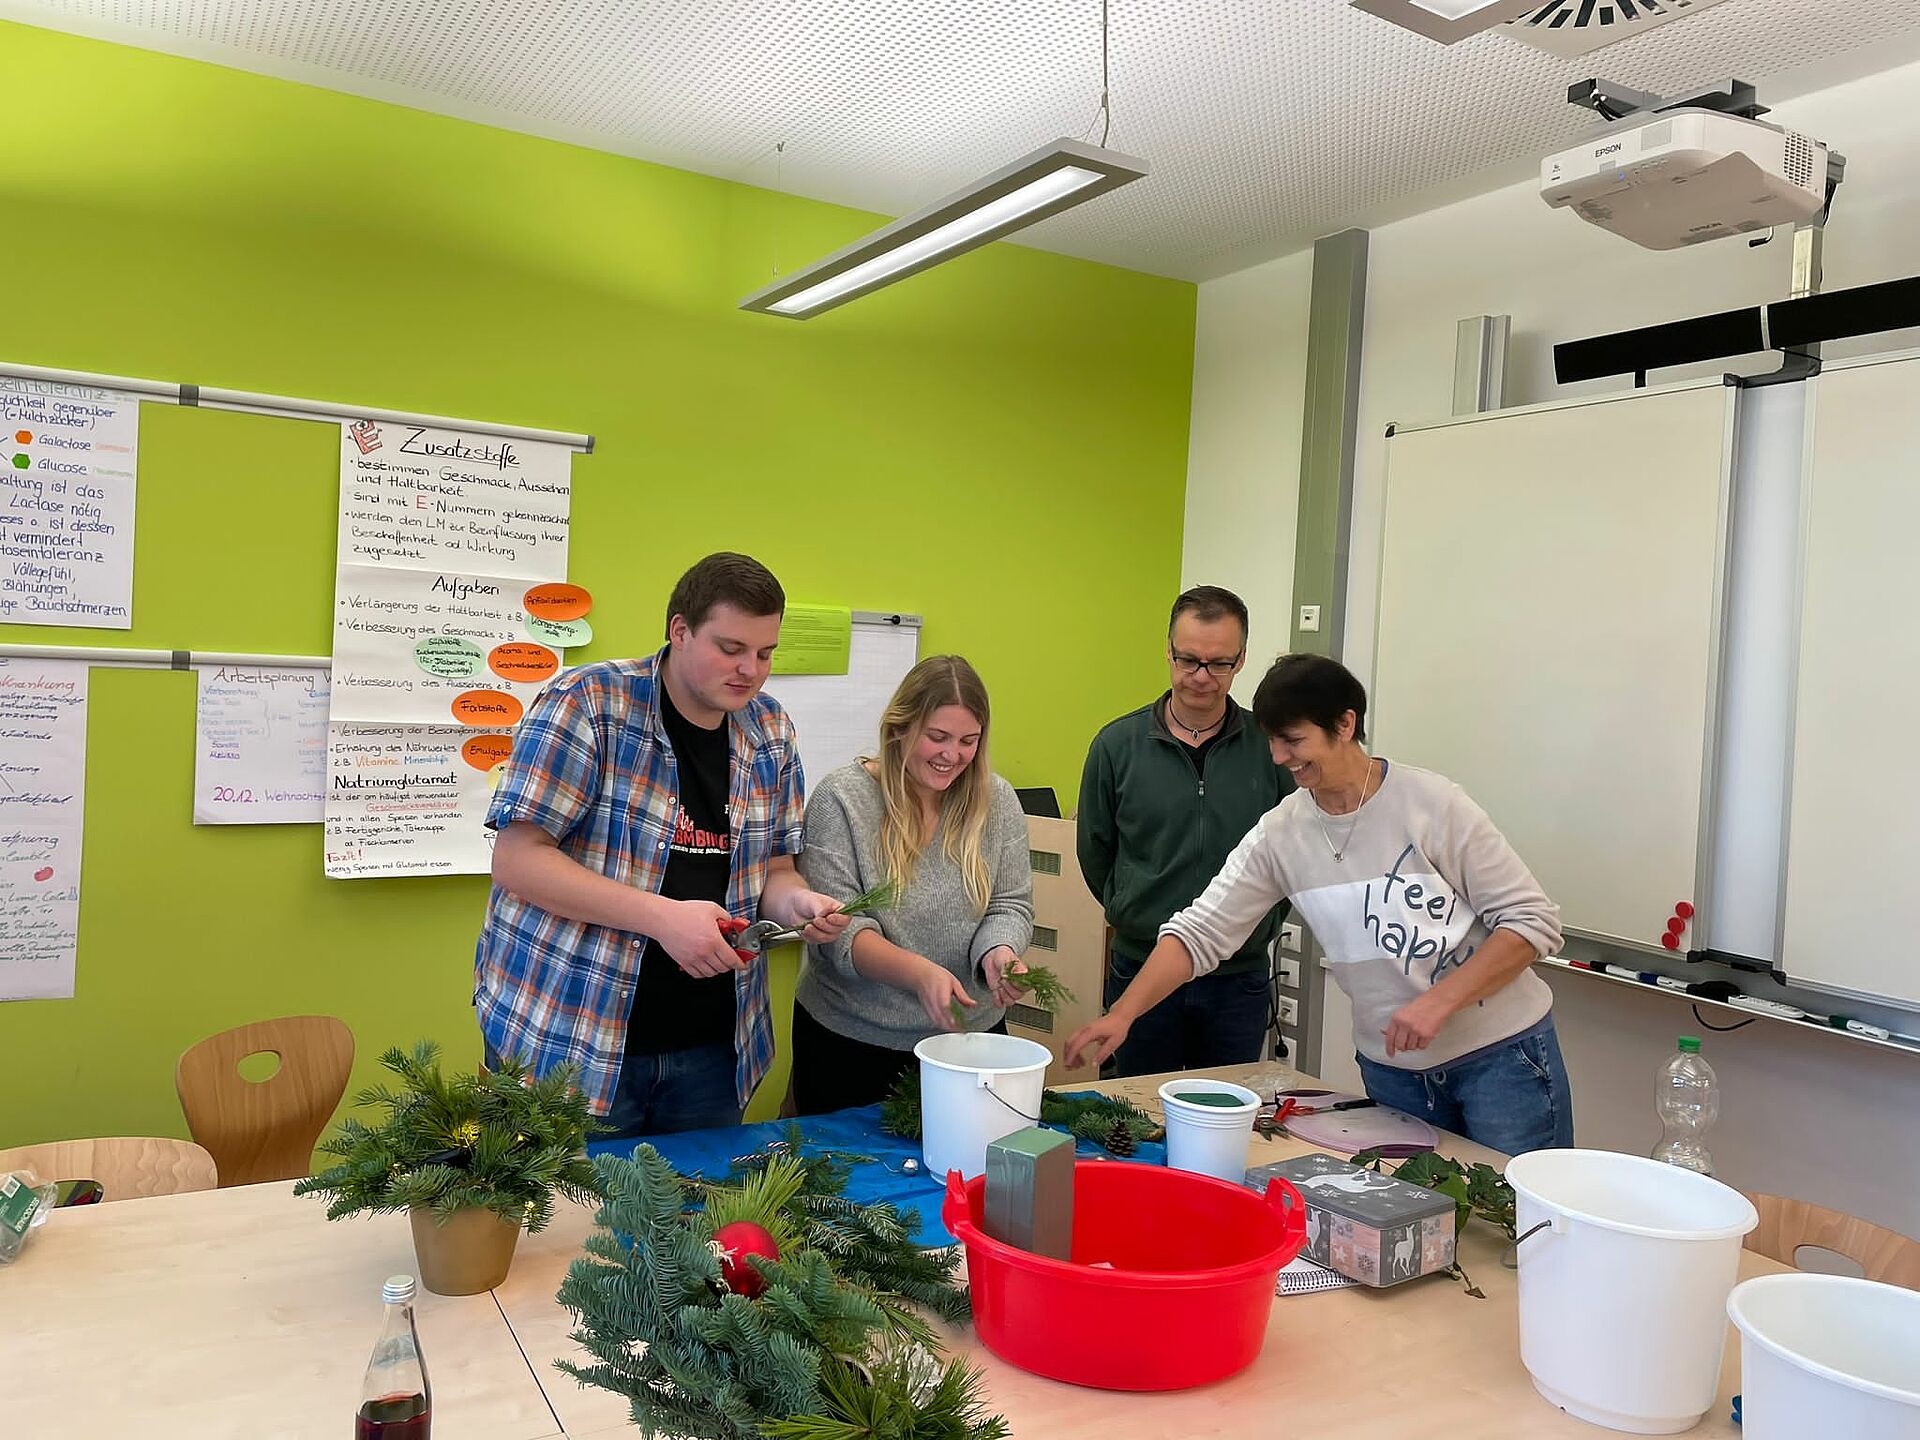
561, 633
814, 640
451, 657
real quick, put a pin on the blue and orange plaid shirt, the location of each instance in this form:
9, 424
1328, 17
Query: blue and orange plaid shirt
592, 767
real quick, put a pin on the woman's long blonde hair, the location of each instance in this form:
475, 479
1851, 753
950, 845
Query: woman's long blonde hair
936, 681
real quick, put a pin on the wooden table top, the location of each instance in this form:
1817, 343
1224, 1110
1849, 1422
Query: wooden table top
244, 1313
236, 1313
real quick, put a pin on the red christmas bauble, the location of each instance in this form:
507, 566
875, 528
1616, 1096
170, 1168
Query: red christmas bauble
732, 1244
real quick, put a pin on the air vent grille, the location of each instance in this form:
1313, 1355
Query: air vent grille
1573, 27
1799, 160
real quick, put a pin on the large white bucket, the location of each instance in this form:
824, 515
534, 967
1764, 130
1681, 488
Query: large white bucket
975, 1088
1625, 1268
1827, 1355
1209, 1139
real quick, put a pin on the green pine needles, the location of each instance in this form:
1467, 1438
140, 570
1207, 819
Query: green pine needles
500, 1141
1042, 987
883, 896
834, 1348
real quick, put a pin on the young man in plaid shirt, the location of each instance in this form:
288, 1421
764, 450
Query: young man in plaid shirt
646, 802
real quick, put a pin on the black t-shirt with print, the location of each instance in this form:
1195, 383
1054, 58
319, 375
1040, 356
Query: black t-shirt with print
671, 1009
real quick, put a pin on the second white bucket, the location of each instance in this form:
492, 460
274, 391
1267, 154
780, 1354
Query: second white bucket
1827, 1355
1209, 1139
974, 1089
1625, 1268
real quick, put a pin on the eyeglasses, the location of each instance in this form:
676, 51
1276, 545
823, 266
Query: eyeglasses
1193, 665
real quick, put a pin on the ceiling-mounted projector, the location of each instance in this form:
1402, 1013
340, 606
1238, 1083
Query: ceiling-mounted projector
1682, 174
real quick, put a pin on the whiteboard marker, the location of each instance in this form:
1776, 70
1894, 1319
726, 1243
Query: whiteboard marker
1667, 982
1859, 1027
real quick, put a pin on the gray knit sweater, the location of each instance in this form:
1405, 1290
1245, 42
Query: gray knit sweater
935, 918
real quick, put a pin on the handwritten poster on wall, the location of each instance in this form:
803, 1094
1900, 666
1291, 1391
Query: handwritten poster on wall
451, 610
429, 647
43, 768
260, 746
408, 800
68, 455
429, 499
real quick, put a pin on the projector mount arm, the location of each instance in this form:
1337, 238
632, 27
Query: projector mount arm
1611, 101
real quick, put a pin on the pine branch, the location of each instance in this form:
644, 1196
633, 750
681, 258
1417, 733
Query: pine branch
883, 896
1043, 987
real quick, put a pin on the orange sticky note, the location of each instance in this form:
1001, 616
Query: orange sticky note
522, 660
557, 601
488, 709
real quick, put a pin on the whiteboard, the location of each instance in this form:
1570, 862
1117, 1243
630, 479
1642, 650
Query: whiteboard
1549, 592
1853, 830
838, 716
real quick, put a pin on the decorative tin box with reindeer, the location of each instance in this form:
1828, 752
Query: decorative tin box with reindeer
1369, 1227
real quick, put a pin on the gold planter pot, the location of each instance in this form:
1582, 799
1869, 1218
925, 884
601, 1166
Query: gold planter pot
472, 1252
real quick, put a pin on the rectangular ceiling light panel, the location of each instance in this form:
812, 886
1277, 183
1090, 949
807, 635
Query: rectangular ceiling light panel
1051, 179
1447, 20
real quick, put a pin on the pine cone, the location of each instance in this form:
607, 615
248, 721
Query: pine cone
1119, 1140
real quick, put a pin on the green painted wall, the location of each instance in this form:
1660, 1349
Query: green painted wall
999, 444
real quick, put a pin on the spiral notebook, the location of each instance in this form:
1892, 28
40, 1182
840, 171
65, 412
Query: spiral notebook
1303, 1277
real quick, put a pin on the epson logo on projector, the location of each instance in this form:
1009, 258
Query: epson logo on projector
1608, 150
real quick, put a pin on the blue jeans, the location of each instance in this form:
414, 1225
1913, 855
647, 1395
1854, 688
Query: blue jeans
1215, 1020
1511, 1097
674, 1090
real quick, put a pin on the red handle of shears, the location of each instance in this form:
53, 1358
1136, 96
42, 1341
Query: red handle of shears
732, 926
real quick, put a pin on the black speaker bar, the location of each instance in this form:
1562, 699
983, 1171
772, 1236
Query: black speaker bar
1679, 342
1787, 324
1863, 310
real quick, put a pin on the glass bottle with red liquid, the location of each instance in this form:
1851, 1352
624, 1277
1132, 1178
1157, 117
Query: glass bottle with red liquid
396, 1403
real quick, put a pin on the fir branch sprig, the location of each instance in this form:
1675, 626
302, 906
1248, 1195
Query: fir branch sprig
501, 1141
883, 896
1042, 986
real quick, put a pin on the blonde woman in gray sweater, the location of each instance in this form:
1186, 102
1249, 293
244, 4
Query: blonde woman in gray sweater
1430, 922
928, 815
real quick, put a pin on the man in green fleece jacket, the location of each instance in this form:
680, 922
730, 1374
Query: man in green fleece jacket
1168, 791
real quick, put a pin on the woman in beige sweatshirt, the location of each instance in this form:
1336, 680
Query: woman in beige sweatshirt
1429, 920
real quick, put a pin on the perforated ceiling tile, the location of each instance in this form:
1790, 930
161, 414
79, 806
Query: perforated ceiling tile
1266, 122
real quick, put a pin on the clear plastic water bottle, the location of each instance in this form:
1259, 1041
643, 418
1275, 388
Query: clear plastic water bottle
1688, 1100
396, 1402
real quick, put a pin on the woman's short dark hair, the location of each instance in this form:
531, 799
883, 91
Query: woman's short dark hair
725, 578
1313, 688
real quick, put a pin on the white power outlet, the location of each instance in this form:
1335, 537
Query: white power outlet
1309, 617
1290, 974
1289, 1012
1290, 937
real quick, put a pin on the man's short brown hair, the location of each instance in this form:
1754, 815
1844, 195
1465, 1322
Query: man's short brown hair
725, 578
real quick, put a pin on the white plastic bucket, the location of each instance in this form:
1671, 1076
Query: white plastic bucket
1827, 1355
1625, 1268
974, 1089
1209, 1139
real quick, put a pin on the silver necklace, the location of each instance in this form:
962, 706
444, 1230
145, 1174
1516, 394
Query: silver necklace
1174, 716
1339, 852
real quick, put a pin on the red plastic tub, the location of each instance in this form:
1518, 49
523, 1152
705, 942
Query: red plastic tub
1193, 1260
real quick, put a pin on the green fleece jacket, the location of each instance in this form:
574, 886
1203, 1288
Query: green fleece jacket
1154, 828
